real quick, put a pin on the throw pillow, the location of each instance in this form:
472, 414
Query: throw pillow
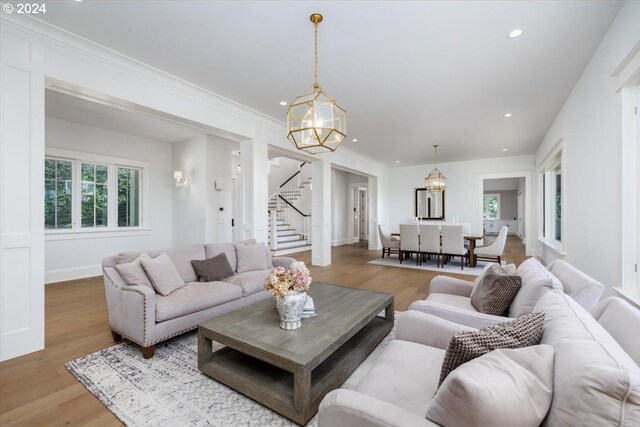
465, 346
213, 269
503, 388
163, 274
508, 269
251, 258
536, 281
133, 273
496, 291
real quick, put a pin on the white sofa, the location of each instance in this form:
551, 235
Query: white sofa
595, 379
145, 317
450, 298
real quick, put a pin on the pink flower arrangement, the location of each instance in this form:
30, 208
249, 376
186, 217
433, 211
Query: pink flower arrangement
295, 278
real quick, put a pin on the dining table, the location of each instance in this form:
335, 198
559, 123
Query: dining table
471, 240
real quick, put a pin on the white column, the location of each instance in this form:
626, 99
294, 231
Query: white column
372, 191
255, 159
21, 197
321, 213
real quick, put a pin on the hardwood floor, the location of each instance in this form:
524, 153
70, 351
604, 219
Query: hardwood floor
37, 390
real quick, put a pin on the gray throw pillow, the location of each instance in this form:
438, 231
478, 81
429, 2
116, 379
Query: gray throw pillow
163, 274
251, 257
213, 269
133, 273
465, 346
495, 291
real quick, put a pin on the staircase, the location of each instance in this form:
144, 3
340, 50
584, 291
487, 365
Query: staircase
289, 227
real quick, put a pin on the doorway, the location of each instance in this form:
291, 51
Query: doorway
363, 217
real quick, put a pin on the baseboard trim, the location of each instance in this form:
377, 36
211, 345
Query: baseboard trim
340, 242
55, 276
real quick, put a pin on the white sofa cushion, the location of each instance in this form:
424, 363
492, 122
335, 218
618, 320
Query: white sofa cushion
503, 388
252, 257
617, 316
133, 273
250, 281
583, 289
405, 375
194, 297
163, 274
595, 382
452, 300
182, 257
536, 281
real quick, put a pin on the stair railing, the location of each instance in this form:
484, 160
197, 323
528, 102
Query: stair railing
289, 191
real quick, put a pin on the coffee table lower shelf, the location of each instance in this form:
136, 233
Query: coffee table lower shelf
275, 388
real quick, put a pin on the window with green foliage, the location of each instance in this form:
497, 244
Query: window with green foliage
128, 197
95, 193
491, 206
82, 194
57, 194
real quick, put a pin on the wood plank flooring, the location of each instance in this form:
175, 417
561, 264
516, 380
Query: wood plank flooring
37, 390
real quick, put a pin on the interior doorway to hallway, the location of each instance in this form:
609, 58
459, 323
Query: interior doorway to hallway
362, 216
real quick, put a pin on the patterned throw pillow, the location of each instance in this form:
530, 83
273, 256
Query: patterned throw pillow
496, 291
465, 346
213, 269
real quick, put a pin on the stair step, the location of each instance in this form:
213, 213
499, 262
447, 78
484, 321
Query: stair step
288, 238
282, 233
293, 244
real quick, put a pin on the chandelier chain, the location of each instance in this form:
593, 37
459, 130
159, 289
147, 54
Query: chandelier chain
315, 55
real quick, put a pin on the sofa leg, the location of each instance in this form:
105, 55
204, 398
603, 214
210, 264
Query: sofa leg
116, 336
147, 352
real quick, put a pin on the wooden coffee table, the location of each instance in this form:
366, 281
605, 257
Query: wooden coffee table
291, 371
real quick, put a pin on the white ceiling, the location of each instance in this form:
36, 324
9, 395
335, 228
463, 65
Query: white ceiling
66, 107
410, 74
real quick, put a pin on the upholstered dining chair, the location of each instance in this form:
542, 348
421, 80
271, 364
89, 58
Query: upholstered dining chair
409, 241
453, 243
388, 245
430, 241
493, 251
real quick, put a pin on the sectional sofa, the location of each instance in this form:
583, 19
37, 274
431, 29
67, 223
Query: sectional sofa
144, 316
592, 380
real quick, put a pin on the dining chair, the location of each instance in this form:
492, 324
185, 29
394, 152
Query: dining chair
388, 245
453, 243
430, 241
493, 251
409, 241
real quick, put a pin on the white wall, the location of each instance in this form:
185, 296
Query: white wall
219, 169
74, 258
523, 207
462, 194
343, 200
589, 124
280, 173
189, 205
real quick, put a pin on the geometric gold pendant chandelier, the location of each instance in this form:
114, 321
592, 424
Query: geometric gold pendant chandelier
435, 181
316, 123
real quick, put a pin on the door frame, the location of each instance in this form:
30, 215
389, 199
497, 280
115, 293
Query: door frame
363, 191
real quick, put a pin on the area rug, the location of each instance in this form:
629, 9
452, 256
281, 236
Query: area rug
451, 267
169, 390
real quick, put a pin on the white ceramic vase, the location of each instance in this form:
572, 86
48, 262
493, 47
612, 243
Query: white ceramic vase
290, 309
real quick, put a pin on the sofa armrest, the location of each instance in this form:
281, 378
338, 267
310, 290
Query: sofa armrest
458, 315
348, 408
282, 261
450, 285
131, 309
426, 329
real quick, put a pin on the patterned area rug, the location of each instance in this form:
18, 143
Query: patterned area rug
169, 390
451, 267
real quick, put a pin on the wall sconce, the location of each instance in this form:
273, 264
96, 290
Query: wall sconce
180, 181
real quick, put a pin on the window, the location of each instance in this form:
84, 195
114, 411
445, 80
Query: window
551, 203
57, 194
128, 197
491, 206
92, 193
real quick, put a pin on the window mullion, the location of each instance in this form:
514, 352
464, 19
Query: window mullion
112, 197
76, 195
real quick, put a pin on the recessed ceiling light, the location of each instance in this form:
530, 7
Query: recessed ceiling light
516, 33
508, 115
355, 140
505, 149
397, 161
283, 102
